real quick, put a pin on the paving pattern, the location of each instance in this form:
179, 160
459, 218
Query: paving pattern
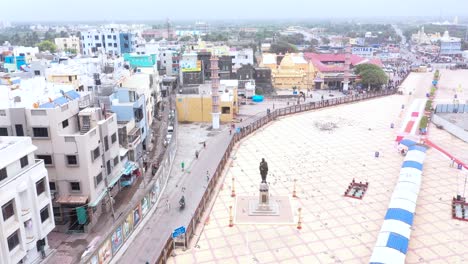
335, 228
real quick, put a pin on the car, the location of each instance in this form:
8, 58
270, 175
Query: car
170, 129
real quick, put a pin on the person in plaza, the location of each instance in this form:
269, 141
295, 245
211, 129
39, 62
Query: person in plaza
196, 154
182, 165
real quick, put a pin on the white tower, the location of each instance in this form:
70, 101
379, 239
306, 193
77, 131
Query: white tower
346, 68
214, 92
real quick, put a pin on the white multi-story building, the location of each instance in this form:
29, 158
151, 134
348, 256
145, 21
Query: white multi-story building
103, 40
27, 215
241, 57
78, 143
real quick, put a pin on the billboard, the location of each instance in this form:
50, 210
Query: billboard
190, 66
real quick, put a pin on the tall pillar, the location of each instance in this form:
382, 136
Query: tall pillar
215, 108
347, 65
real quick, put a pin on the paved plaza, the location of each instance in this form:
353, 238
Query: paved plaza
324, 151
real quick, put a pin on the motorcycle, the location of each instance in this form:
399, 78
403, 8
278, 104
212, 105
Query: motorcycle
182, 203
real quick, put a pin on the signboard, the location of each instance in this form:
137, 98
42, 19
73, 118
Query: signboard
178, 231
363, 51
190, 66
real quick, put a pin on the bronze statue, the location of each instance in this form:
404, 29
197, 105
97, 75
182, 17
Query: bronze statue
263, 170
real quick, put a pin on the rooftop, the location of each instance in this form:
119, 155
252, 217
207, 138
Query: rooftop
29, 92
335, 62
13, 148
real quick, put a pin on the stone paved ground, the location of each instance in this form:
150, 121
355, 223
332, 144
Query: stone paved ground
335, 229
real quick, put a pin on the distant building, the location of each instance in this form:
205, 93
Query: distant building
241, 57
202, 27
161, 33
450, 45
293, 71
329, 69
194, 103
107, 41
68, 44
127, 42
25, 198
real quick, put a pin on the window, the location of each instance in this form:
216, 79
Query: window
75, 186
3, 174
46, 158
13, 240
70, 78
109, 168
40, 132
114, 37
65, 123
114, 138
106, 143
19, 130
96, 153
57, 212
98, 45
2, 113
3, 132
96, 37
24, 161
40, 186
8, 210
126, 45
44, 213
109, 36
225, 110
52, 186
115, 45
72, 160
98, 179
116, 160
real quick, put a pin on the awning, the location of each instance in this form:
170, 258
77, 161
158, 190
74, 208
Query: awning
95, 202
122, 152
129, 167
76, 199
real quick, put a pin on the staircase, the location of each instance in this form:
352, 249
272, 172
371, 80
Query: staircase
85, 128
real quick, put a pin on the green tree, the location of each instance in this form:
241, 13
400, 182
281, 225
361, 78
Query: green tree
185, 38
372, 75
282, 47
47, 45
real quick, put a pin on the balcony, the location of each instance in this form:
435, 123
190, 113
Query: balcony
134, 138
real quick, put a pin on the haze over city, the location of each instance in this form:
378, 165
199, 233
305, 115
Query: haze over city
137, 10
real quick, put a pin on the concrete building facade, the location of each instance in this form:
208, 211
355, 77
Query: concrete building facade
79, 146
27, 214
68, 44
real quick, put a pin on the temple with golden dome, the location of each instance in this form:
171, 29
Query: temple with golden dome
293, 71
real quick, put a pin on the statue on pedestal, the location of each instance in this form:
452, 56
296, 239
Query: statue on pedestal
263, 170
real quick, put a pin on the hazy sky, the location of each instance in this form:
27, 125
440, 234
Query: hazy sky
115, 10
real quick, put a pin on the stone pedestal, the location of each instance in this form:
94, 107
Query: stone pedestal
264, 206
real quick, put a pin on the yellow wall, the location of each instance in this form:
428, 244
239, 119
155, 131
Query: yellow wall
65, 79
189, 109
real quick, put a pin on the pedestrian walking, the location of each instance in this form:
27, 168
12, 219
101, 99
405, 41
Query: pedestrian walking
452, 162
182, 165
196, 154
204, 144
230, 131
322, 97
207, 176
168, 205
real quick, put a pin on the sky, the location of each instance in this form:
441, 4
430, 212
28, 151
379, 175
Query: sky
138, 10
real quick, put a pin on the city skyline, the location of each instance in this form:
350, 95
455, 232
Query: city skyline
54, 10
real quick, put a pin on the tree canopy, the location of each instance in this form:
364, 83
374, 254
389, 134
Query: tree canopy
282, 47
371, 75
47, 45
